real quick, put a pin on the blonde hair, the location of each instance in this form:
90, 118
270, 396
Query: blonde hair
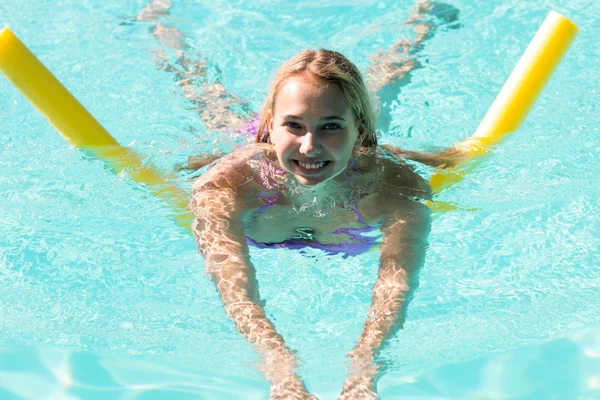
329, 66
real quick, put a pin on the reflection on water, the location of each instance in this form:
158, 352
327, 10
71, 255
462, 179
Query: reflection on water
566, 368
28, 373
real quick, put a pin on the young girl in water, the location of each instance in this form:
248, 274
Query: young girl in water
315, 177
316, 151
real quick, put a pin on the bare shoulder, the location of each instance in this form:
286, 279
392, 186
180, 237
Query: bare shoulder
398, 192
234, 170
403, 193
399, 181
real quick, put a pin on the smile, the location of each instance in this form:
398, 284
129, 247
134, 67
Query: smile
311, 167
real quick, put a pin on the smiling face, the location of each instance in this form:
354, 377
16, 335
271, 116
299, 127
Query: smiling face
313, 129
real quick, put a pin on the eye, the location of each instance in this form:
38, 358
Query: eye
331, 126
292, 125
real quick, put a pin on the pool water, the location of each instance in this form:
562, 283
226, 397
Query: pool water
104, 297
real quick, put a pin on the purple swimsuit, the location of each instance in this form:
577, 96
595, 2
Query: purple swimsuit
360, 244
251, 128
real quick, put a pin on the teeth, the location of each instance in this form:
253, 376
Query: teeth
311, 166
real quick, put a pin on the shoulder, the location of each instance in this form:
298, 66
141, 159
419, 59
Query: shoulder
398, 192
402, 194
399, 179
234, 170
230, 182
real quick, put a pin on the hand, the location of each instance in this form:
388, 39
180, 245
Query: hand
197, 162
290, 388
359, 388
362, 377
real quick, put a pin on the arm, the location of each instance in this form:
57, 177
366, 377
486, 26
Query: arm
219, 233
196, 162
406, 229
446, 158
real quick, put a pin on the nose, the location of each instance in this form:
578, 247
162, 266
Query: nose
310, 146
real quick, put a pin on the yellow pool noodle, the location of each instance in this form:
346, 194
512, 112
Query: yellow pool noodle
517, 96
77, 125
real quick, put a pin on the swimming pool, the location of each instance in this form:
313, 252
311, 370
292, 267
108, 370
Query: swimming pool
105, 297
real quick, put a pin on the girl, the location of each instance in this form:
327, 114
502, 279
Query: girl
315, 177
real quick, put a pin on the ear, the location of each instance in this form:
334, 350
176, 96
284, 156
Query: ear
270, 121
361, 136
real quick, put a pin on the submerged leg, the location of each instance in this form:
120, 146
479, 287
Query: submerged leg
217, 108
154, 9
391, 69
394, 64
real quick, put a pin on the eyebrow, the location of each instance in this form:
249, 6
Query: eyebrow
329, 118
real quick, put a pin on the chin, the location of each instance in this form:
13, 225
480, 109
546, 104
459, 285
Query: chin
309, 182
314, 181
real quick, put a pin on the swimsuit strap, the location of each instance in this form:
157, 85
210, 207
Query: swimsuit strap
270, 200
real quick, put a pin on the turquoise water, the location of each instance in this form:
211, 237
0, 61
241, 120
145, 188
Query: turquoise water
104, 297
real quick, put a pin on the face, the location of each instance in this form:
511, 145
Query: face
313, 129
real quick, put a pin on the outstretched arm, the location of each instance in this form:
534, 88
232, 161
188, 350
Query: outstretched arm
219, 234
446, 158
402, 255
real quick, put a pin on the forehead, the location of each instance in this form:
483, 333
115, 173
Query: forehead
308, 95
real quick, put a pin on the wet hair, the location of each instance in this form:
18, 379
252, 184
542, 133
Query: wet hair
329, 66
